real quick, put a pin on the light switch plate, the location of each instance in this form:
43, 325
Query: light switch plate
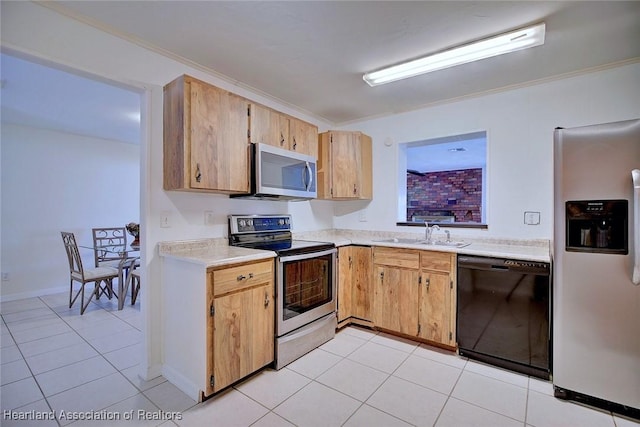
532, 218
165, 219
209, 218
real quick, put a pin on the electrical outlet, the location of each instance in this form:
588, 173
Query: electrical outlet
5, 277
209, 218
532, 218
165, 219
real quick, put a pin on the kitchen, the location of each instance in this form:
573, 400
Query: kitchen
519, 123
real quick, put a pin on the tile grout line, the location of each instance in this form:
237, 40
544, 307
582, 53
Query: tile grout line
99, 353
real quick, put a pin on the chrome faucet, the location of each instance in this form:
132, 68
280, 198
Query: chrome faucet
448, 235
428, 232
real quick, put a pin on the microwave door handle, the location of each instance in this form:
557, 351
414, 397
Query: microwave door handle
635, 175
307, 168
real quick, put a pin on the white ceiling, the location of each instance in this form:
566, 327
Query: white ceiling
312, 54
448, 153
49, 98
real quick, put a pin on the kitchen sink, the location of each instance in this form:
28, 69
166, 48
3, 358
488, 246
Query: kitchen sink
401, 240
450, 244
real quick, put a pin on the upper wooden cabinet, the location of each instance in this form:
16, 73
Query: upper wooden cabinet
344, 166
303, 137
268, 126
205, 138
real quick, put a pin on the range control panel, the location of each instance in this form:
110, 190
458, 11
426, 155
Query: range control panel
240, 224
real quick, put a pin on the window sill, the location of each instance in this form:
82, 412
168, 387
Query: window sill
446, 224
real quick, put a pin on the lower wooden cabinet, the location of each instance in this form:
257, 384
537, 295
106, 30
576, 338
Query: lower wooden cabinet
414, 293
240, 333
355, 290
396, 292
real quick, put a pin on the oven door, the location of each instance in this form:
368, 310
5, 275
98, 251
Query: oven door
306, 289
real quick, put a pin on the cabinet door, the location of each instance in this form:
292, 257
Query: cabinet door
345, 263
243, 334
362, 288
303, 137
395, 299
267, 126
435, 307
219, 148
345, 165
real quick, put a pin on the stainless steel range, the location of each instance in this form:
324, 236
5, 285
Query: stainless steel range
305, 282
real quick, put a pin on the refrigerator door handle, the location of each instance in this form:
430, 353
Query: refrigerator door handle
635, 175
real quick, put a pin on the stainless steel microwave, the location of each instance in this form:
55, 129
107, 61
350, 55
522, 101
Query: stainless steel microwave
278, 174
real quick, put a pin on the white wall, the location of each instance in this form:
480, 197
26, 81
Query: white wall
519, 125
52, 182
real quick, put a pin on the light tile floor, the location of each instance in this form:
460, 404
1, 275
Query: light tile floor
53, 359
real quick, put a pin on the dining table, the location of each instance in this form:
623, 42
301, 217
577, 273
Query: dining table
129, 255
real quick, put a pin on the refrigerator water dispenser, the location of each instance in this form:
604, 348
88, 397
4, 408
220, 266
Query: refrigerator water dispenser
599, 226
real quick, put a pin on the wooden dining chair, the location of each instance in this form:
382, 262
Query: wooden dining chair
102, 277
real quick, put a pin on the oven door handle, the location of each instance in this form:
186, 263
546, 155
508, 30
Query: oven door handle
309, 255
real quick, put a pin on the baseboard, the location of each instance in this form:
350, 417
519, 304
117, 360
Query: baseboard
154, 371
183, 383
34, 294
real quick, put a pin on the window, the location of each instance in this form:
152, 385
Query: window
443, 180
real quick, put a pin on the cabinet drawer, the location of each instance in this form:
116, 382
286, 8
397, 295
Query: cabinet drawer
243, 276
405, 258
440, 261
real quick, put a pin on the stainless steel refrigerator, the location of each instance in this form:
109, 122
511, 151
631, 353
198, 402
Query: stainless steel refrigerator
596, 304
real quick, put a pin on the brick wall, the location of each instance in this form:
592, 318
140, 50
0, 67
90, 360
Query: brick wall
457, 192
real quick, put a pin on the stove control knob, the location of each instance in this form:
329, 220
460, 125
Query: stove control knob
250, 223
287, 221
242, 222
281, 222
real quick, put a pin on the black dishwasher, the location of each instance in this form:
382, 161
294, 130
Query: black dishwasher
504, 313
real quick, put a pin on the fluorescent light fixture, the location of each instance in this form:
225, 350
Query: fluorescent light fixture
509, 42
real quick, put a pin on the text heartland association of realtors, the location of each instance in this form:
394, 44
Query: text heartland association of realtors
104, 415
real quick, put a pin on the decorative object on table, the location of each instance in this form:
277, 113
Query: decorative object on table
134, 229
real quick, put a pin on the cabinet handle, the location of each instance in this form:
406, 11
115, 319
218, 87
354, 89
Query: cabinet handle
295, 144
382, 278
427, 282
355, 190
266, 299
281, 138
243, 277
350, 262
198, 174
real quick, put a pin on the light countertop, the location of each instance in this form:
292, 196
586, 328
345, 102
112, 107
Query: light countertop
529, 250
211, 252
216, 252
